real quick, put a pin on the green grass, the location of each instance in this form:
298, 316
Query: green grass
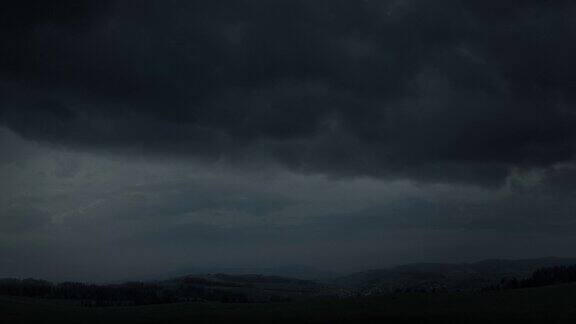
555, 304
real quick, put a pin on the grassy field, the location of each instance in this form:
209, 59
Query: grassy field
555, 304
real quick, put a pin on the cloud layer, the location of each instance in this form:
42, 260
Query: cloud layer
449, 91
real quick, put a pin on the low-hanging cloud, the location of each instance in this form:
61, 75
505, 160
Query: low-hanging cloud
443, 91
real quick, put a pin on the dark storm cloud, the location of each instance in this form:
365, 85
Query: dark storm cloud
428, 90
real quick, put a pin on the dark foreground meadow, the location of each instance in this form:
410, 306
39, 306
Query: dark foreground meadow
552, 304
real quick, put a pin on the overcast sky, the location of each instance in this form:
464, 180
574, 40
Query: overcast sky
143, 137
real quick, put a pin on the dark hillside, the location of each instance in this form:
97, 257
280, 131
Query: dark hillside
552, 304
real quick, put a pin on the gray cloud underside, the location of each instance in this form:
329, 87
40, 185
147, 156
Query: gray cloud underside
82, 215
442, 91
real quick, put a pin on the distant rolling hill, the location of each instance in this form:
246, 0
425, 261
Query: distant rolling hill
295, 271
218, 287
257, 288
246, 288
552, 304
430, 277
